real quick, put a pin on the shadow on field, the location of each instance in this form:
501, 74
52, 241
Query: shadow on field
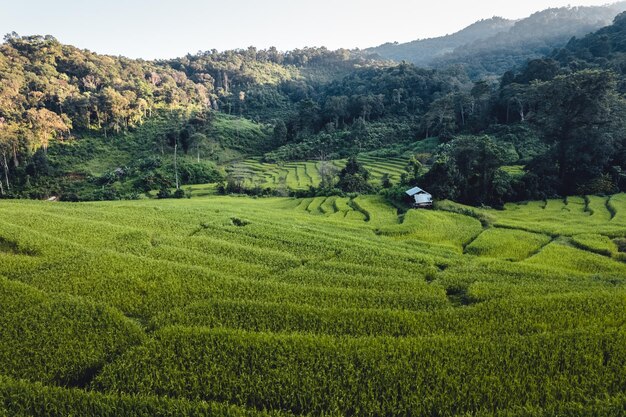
13, 248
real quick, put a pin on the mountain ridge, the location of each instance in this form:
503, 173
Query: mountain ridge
482, 52
475, 31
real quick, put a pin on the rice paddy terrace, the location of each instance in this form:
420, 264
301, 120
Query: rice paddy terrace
233, 306
302, 175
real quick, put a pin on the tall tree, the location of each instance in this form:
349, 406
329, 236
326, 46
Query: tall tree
581, 117
8, 144
466, 169
354, 177
45, 125
441, 118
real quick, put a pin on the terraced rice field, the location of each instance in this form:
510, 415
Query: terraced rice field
233, 306
302, 175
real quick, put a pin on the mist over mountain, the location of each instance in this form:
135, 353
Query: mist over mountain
422, 52
490, 47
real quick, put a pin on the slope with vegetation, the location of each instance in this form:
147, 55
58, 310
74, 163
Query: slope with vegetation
81, 126
112, 112
491, 47
424, 51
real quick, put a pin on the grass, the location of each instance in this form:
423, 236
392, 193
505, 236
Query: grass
240, 306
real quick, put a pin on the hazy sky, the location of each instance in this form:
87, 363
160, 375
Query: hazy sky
166, 29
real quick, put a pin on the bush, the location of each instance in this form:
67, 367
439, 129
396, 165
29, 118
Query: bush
179, 193
164, 193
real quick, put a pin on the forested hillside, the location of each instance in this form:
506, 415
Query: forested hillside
424, 51
83, 126
494, 46
113, 116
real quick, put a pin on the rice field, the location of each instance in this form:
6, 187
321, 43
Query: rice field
302, 175
326, 306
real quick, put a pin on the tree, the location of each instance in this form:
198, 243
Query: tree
308, 115
236, 179
173, 137
443, 179
517, 99
113, 105
581, 117
280, 133
354, 177
200, 142
538, 70
440, 118
328, 172
481, 95
465, 169
336, 109
413, 172
8, 144
386, 181
45, 125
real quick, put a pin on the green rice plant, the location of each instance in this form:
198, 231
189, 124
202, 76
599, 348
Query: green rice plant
515, 171
413, 376
355, 215
342, 206
595, 243
57, 338
598, 208
606, 407
511, 245
311, 170
617, 207
304, 204
281, 317
562, 256
328, 206
22, 398
427, 308
577, 204
315, 204
487, 279
376, 210
556, 218
301, 175
523, 315
436, 227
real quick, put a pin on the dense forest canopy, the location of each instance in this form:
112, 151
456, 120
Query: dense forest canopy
127, 126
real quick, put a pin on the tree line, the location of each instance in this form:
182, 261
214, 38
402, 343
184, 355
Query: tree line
559, 116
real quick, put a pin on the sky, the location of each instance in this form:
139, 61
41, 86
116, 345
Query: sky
153, 29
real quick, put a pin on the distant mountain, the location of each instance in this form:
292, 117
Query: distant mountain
423, 52
491, 47
604, 49
530, 38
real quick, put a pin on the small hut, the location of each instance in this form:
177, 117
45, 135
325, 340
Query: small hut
421, 198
